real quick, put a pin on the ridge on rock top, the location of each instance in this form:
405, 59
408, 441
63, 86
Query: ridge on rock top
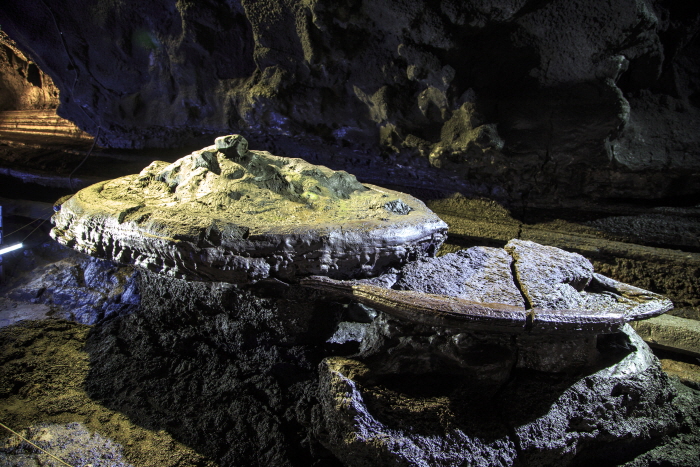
229, 214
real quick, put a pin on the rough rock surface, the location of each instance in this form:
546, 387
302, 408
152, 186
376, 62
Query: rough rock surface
535, 99
533, 420
51, 280
481, 274
549, 277
71, 443
225, 213
217, 374
489, 289
222, 369
396, 347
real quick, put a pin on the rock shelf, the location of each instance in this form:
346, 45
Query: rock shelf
479, 290
228, 214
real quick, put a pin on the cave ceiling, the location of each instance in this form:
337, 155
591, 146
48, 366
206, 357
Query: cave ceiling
521, 99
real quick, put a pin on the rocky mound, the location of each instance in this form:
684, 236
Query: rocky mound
228, 214
608, 415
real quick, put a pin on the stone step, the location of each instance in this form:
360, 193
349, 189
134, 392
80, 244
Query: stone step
18, 123
672, 333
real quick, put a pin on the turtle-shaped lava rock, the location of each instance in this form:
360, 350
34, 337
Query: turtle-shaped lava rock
228, 214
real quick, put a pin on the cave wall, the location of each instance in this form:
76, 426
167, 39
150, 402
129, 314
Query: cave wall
544, 99
23, 85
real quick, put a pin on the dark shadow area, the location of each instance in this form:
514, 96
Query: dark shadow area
679, 357
31, 233
433, 404
222, 370
465, 242
437, 404
15, 188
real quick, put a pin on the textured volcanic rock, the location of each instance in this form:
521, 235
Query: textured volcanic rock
211, 362
553, 98
81, 288
241, 374
228, 214
51, 280
527, 287
611, 413
480, 274
550, 278
223, 368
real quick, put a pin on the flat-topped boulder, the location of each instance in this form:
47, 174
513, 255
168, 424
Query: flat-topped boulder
225, 213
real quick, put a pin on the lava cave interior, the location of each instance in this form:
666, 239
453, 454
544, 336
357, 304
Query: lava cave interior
350, 233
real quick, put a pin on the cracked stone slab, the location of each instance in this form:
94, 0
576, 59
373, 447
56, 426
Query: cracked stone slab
550, 278
481, 274
225, 213
429, 309
459, 291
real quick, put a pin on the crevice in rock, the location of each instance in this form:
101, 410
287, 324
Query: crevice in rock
514, 273
515, 439
529, 320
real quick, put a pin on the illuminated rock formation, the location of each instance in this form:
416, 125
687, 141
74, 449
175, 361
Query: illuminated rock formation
525, 289
440, 420
228, 214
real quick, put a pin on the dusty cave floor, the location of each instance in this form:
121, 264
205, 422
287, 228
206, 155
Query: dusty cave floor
47, 366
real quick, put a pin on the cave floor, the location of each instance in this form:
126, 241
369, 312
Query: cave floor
49, 367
